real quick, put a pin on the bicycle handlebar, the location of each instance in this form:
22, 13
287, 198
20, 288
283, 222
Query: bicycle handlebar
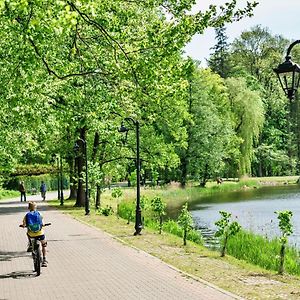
46, 224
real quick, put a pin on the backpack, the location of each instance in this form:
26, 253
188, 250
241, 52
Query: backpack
34, 221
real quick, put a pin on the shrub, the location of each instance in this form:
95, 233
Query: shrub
106, 211
126, 211
226, 229
34, 182
185, 221
158, 206
286, 229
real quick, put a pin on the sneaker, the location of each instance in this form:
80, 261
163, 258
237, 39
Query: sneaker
44, 262
29, 249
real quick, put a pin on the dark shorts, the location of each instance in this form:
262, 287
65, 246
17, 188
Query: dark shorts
39, 237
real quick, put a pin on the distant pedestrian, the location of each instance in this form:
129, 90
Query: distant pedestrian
43, 190
22, 191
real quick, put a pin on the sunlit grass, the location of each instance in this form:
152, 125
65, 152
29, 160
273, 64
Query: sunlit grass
7, 194
263, 252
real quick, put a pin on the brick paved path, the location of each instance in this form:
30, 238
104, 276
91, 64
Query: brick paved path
85, 263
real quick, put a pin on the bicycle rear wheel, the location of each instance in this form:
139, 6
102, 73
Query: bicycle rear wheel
37, 260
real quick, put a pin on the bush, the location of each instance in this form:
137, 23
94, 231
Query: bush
172, 227
106, 211
34, 182
126, 211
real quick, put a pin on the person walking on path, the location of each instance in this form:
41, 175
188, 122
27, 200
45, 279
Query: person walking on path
43, 190
22, 191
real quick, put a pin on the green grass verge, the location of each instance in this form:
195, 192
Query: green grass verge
6, 194
260, 251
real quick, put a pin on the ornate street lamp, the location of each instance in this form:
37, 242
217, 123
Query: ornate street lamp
138, 212
288, 74
87, 200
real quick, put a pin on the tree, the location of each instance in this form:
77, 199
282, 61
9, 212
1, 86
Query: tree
219, 60
159, 207
254, 55
91, 63
286, 229
248, 111
226, 229
211, 139
185, 221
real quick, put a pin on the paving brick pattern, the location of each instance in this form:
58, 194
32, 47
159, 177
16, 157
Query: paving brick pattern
86, 263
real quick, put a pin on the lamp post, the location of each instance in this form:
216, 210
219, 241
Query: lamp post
87, 200
55, 159
288, 74
138, 212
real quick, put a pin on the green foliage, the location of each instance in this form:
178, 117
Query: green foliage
286, 229
211, 140
117, 193
126, 210
106, 211
36, 169
248, 112
285, 224
127, 63
226, 229
159, 207
185, 221
6, 194
173, 227
219, 61
34, 182
263, 252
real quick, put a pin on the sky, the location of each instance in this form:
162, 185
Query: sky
280, 16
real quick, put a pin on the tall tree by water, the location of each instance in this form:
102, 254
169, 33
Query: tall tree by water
248, 110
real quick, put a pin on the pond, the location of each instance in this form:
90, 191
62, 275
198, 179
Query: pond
252, 208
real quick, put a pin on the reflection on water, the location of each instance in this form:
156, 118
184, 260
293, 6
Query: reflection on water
253, 209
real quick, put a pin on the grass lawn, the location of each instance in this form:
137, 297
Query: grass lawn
4, 194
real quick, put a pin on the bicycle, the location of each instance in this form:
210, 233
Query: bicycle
35, 245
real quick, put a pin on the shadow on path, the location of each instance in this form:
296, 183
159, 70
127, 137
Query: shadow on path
5, 209
8, 256
18, 275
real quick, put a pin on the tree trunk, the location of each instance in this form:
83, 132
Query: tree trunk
160, 223
73, 183
80, 200
98, 196
282, 254
184, 237
205, 176
183, 175
224, 247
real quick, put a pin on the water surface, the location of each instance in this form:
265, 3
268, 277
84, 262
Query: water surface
252, 208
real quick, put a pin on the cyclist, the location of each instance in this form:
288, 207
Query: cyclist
33, 220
